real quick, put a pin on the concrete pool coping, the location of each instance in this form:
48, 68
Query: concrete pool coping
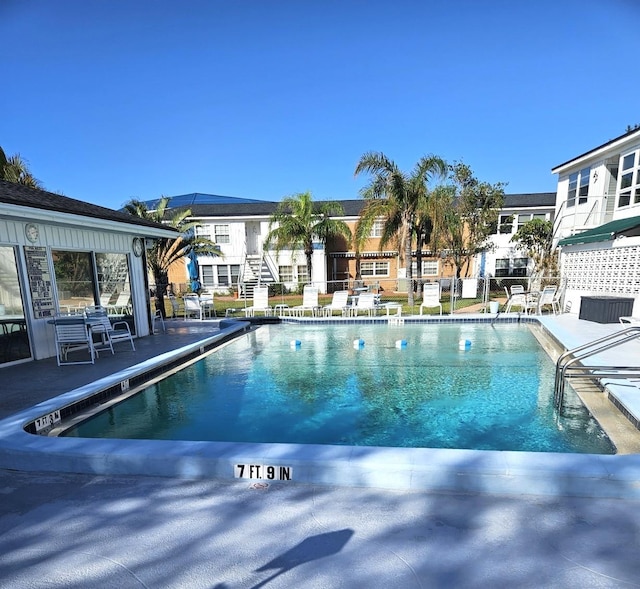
482, 471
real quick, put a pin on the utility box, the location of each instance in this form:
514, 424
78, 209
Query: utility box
605, 309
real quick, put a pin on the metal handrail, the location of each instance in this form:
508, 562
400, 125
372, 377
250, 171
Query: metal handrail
567, 360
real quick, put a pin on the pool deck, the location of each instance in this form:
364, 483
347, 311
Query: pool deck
561, 522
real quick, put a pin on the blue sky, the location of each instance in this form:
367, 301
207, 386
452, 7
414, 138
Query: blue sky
120, 99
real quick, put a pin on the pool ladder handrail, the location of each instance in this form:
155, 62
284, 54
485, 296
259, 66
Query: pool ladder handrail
565, 364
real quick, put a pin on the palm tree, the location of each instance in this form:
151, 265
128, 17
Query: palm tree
3, 164
430, 226
15, 169
396, 197
298, 221
166, 251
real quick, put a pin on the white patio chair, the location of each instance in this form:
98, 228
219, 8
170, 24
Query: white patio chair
431, 296
309, 302
72, 337
206, 302
339, 302
157, 316
260, 302
546, 298
109, 333
192, 306
517, 298
556, 304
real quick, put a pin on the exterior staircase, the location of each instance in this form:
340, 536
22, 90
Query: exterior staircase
255, 271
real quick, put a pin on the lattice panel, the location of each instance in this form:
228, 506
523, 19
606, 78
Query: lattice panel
610, 271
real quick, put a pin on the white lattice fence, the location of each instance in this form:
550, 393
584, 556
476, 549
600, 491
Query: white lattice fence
612, 271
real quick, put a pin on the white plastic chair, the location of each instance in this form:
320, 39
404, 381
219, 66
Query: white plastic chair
206, 302
431, 297
192, 306
339, 302
309, 302
260, 302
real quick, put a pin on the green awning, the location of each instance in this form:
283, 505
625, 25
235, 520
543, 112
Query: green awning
606, 232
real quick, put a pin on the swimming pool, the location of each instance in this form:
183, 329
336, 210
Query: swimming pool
495, 394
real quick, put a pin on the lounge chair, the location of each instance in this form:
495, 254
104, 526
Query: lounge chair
365, 303
431, 297
109, 333
260, 302
192, 306
122, 305
339, 302
309, 302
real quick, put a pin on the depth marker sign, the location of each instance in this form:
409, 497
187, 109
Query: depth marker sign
263, 471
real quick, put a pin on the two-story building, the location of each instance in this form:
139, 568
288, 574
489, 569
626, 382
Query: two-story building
239, 226
598, 221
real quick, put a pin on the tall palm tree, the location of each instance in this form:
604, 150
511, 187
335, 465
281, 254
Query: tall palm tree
298, 221
396, 197
166, 251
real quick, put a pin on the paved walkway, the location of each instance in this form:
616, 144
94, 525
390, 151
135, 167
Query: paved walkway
80, 531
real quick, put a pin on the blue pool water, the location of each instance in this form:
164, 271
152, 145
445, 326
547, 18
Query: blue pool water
495, 394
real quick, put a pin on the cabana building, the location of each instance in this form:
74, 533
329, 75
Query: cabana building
59, 255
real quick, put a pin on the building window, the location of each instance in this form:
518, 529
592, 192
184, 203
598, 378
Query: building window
203, 231
113, 276
374, 268
573, 188
223, 275
511, 268
429, 268
578, 187
519, 267
583, 189
505, 224
630, 172
14, 338
378, 228
206, 274
221, 233
74, 280
303, 276
285, 273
